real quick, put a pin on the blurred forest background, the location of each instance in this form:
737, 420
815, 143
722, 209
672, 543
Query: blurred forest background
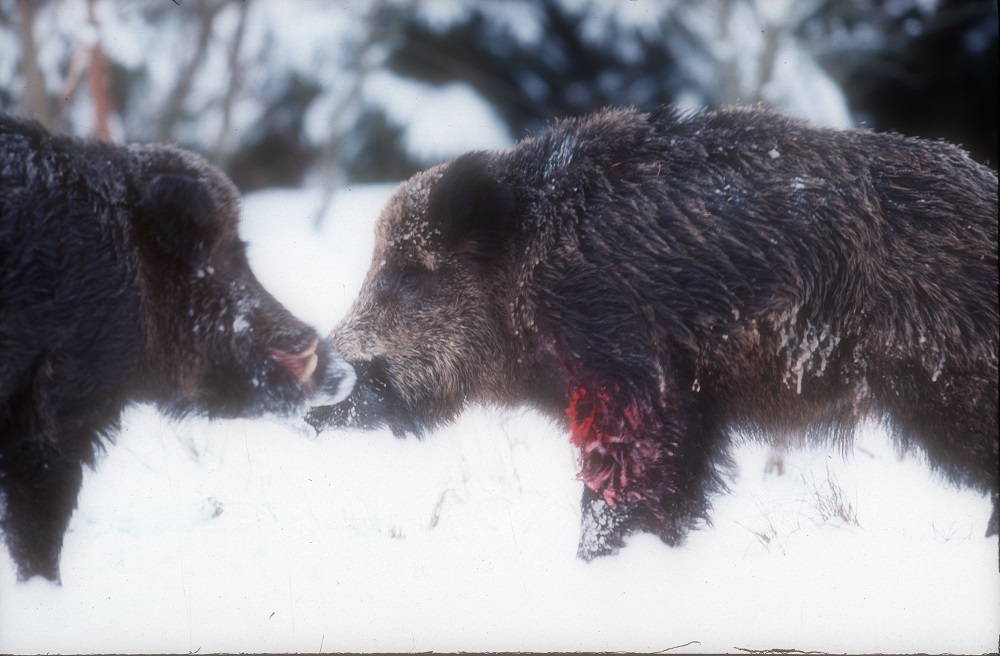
293, 92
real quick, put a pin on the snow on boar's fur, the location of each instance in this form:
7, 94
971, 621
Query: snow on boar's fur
658, 281
122, 278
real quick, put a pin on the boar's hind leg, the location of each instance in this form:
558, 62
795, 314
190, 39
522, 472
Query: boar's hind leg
954, 420
39, 483
992, 525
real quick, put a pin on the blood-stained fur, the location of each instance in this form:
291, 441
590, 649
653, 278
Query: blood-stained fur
657, 281
122, 277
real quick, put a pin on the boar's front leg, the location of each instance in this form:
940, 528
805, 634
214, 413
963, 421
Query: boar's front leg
603, 528
39, 483
653, 478
645, 457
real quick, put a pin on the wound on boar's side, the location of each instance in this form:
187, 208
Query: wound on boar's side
660, 281
123, 278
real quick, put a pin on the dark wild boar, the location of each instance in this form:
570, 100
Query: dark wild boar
658, 281
123, 278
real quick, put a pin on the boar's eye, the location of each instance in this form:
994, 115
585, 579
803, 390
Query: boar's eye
409, 280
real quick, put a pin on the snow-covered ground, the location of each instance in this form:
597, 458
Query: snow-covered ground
258, 536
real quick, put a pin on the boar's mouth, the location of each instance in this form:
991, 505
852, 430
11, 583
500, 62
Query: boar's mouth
321, 374
373, 403
302, 364
318, 374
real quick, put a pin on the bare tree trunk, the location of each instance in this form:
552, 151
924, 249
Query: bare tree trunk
330, 174
729, 70
100, 89
765, 71
35, 102
206, 11
222, 149
77, 66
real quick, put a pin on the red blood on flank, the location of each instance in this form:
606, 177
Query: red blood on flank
611, 451
581, 416
619, 434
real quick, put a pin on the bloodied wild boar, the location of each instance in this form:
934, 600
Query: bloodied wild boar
659, 281
122, 278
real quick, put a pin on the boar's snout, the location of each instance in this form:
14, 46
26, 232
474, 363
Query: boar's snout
354, 339
302, 365
324, 376
255, 357
334, 380
371, 403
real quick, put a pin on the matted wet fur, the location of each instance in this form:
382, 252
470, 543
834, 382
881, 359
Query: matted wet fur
658, 281
122, 278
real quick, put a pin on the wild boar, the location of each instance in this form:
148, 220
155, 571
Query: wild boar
657, 281
123, 278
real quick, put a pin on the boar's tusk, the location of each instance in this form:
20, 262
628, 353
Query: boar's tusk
302, 364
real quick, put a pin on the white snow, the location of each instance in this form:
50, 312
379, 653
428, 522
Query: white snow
256, 536
726, 52
239, 535
438, 123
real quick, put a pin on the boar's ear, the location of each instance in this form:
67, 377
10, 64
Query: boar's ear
473, 207
178, 215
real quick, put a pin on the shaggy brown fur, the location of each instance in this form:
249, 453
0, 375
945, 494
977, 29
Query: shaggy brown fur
658, 281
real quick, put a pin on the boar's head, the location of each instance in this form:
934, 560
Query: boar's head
433, 326
217, 341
